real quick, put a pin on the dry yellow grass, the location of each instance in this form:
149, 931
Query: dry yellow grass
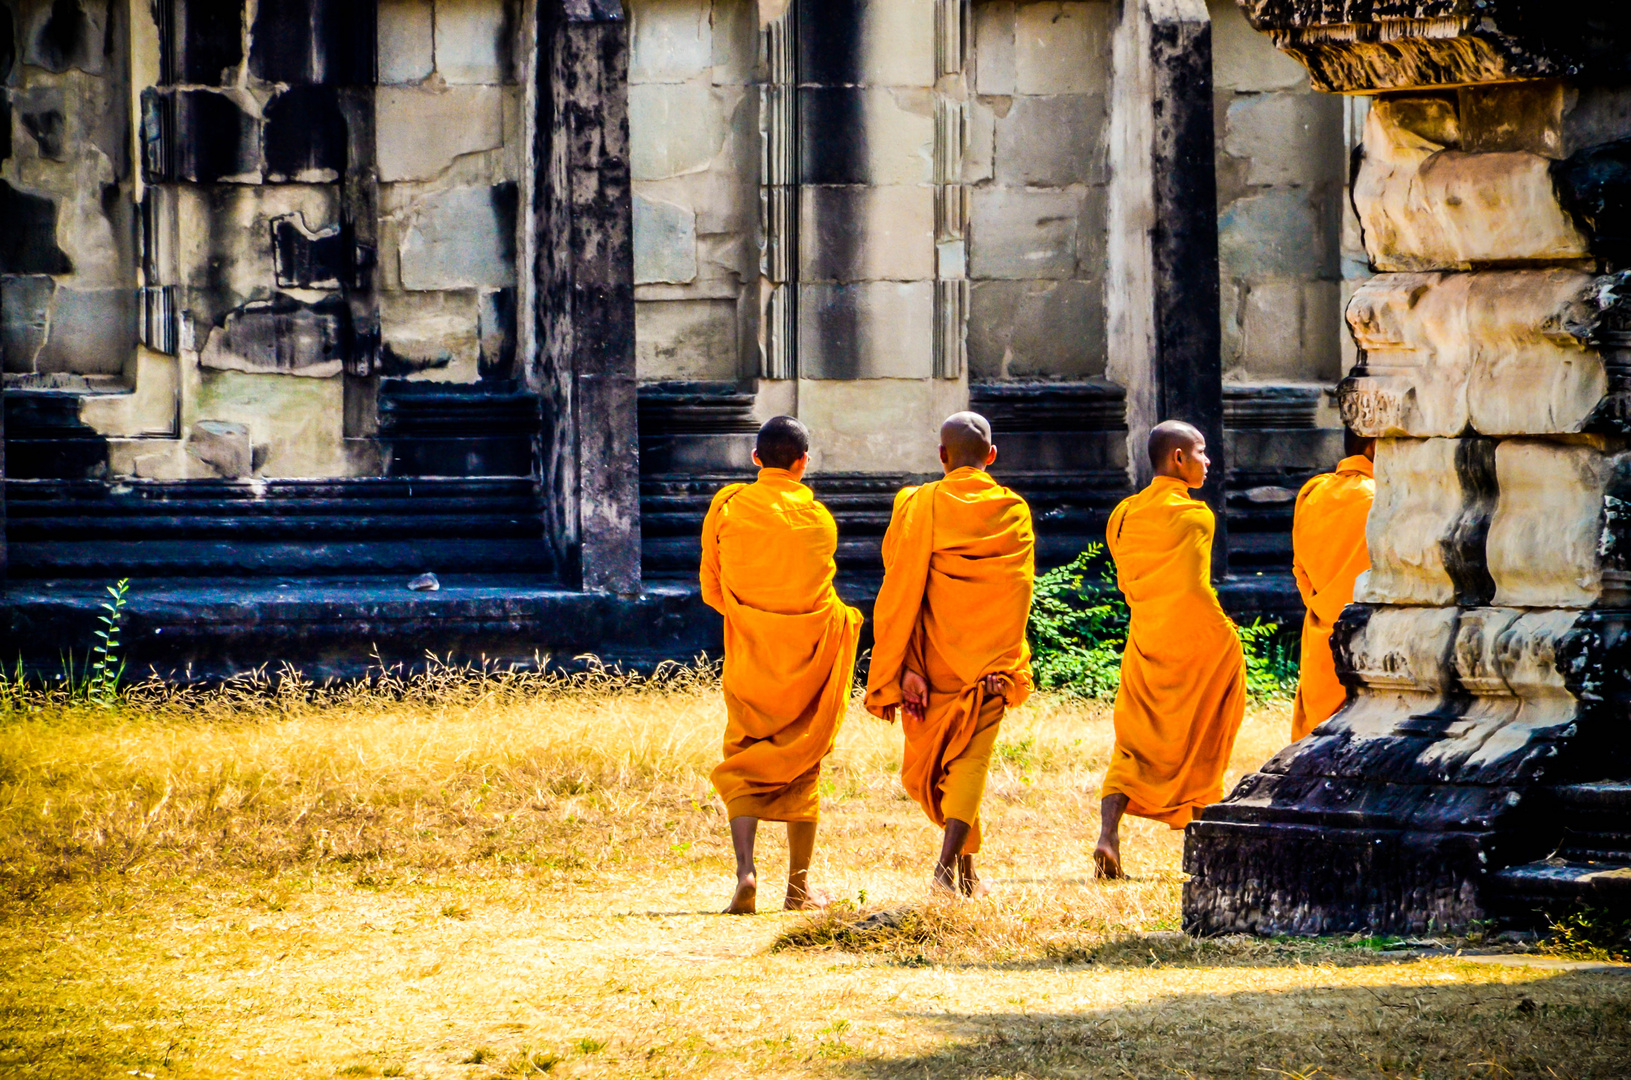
504, 878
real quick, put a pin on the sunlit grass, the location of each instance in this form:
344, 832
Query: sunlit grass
517, 876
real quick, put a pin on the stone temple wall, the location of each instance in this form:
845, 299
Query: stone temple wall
1038, 165
871, 214
243, 217
506, 286
1282, 188
693, 118
67, 261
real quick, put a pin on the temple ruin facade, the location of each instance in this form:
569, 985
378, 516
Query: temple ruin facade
302, 300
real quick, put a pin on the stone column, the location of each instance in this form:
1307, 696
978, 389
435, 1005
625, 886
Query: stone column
1485, 652
583, 294
1163, 241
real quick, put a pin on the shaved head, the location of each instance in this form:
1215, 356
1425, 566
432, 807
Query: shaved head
782, 441
966, 439
1170, 435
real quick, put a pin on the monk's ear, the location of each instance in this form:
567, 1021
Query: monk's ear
991, 455
944, 460
756, 460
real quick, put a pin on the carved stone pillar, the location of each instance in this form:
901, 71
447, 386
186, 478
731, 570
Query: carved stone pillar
582, 208
1485, 652
1163, 238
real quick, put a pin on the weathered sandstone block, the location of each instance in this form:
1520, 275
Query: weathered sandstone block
866, 330
1426, 530
1552, 539
461, 238
851, 233
420, 132
406, 40
1425, 206
665, 242
223, 446
1444, 352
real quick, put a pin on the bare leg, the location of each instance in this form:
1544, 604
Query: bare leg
801, 836
945, 870
968, 881
1107, 855
743, 831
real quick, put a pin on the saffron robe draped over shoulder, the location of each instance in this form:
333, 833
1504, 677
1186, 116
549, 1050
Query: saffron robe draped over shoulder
767, 566
1328, 554
1183, 674
959, 562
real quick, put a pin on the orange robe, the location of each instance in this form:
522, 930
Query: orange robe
767, 566
959, 559
1328, 553
1183, 675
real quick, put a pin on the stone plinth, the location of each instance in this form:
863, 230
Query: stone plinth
1484, 651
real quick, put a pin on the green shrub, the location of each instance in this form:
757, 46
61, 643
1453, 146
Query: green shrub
1078, 630
1078, 627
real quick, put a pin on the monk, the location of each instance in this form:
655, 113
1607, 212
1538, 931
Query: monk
1328, 552
767, 566
950, 652
1183, 675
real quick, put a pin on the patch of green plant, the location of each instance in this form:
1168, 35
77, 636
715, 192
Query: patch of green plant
1078, 627
107, 665
1271, 662
1591, 933
1078, 630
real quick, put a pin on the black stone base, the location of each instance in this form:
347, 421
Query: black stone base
1279, 878
207, 629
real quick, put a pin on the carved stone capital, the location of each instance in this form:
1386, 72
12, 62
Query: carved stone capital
1366, 46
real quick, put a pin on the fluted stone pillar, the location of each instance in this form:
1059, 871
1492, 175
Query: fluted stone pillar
1485, 653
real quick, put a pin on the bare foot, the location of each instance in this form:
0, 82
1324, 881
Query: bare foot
945, 878
1107, 862
968, 881
805, 900
746, 900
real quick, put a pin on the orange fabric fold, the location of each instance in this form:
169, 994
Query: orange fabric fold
767, 566
1183, 675
1328, 554
959, 562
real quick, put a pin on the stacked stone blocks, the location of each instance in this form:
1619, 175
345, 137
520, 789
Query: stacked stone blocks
1485, 649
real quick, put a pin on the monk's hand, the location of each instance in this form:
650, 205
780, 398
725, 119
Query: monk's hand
996, 685
914, 690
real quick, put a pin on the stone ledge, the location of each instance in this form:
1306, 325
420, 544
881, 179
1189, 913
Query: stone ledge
207, 629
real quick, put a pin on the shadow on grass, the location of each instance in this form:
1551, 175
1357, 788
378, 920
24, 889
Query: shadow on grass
1575, 1025
962, 936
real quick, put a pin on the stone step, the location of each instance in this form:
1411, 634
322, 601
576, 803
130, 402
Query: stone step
192, 629
1553, 885
1596, 816
1603, 796
1594, 847
111, 559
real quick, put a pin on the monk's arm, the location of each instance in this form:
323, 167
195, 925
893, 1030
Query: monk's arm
713, 593
1304, 585
1299, 522
891, 536
883, 690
